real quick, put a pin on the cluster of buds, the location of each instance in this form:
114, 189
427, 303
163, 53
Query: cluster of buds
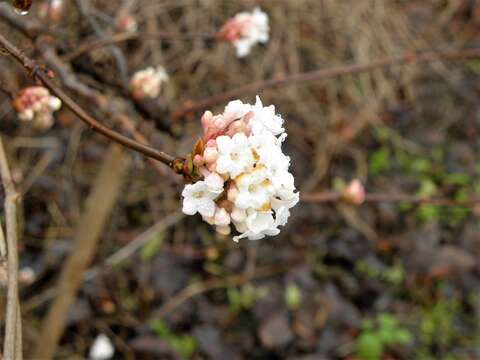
245, 182
147, 83
35, 104
245, 30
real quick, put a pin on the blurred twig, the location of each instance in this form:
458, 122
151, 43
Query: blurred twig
334, 196
105, 192
122, 37
13, 329
410, 58
117, 54
216, 283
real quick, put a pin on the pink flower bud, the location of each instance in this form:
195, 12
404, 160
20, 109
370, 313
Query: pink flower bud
223, 230
354, 192
206, 119
210, 220
210, 155
238, 126
232, 193
221, 217
34, 103
211, 143
126, 23
198, 160
239, 215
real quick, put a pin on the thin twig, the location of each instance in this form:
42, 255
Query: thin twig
39, 74
410, 58
122, 37
13, 334
333, 196
215, 283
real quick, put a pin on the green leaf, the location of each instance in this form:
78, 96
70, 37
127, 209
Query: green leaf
420, 165
159, 328
457, 178
234, 299
427, 188
379, 161
152, 246
428, 212
293, 297
184, 345
369, 346
403, 336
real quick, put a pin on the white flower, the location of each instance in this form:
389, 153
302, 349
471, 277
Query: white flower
102, 348
247, 185
235, 155
259, 224
236, 109
214, 182
254, 189
198, 198
245, 30
266, 119
147, 83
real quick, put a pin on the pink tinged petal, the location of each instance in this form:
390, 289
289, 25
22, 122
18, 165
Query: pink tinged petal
221, 217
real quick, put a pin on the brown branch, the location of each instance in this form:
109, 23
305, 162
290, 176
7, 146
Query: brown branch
13, 332
122, 37
333, 196
39, 74
106, 189
410, 58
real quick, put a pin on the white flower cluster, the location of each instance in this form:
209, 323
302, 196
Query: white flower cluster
35, 104
245, 30
147, 83
246, 182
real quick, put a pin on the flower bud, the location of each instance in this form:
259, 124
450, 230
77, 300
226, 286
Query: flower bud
221, 217
223, 230
239, 215
354, 192
210, 155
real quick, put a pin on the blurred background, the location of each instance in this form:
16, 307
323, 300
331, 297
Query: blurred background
377, 281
